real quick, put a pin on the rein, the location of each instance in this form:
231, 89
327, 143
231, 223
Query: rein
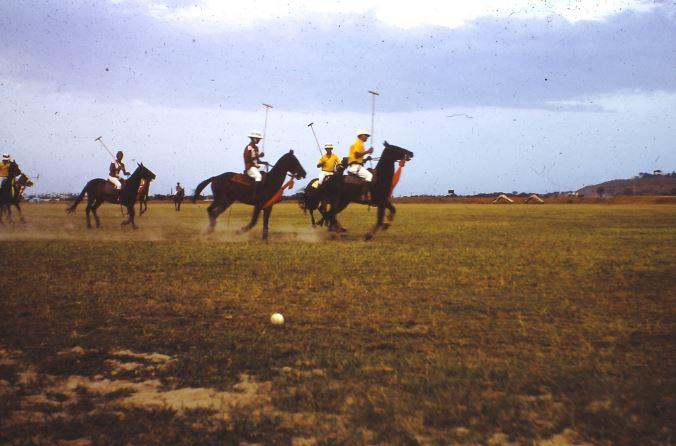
277, 197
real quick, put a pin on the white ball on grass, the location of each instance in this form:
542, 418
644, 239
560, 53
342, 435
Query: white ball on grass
277, 319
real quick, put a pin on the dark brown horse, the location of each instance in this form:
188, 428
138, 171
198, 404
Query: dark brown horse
342, 193
178, 199
21, 182
311, 201
7, 190
99, 190
313, 197
230, 187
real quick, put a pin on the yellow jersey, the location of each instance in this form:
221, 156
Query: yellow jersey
4, 169
330, 162
357, 147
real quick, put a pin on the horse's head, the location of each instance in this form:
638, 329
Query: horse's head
23, 180
145, 173
395, 153
293, 166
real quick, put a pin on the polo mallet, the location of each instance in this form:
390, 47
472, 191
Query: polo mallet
105, 147
265, 126
317, 140
373, 116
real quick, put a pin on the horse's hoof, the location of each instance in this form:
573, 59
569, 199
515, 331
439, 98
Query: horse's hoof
385, 226
368, 236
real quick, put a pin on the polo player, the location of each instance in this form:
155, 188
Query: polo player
327, 163
116, 167
252, 156
355, 158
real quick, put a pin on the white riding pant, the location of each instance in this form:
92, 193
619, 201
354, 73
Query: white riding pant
254, 173
361, 171
322, 176
116, 182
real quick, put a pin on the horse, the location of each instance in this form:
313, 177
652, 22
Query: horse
7, 190
178, 199
349, 190
230, 187
99, 190
313, 197
21, 182
311, 200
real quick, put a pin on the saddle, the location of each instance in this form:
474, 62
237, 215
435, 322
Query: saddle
244, 179
114, 190
352, 178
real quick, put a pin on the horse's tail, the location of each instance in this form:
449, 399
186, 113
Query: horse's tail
70, 209
200, 187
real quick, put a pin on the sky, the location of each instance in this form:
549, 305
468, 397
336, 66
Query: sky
491, 95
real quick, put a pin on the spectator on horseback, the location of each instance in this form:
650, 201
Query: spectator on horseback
252, 158
4, 167
355, 158
327, 163
9, 170
116, 167
179, 188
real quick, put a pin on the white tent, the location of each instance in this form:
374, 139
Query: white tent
502, 198
534, 199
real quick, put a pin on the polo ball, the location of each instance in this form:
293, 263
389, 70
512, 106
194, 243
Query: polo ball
277, 319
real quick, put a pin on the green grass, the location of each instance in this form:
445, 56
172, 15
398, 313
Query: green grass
522, 320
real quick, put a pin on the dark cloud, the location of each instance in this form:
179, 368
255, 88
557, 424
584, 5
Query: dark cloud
118, 52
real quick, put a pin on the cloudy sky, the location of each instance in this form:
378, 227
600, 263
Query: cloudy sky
491, 95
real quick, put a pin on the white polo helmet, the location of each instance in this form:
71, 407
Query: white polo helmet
255, 134
363, 132
6, 156
328, 146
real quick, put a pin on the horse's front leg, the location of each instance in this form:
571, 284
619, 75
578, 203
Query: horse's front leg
389, 217
132, 212
254, 220
266, 219
18, 208
379, 221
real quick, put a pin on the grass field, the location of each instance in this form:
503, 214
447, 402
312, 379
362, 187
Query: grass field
462, 324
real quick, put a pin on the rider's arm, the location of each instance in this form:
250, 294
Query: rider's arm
365, 152
124, 169
111, 170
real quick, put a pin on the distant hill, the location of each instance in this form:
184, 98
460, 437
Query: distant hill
644, 184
